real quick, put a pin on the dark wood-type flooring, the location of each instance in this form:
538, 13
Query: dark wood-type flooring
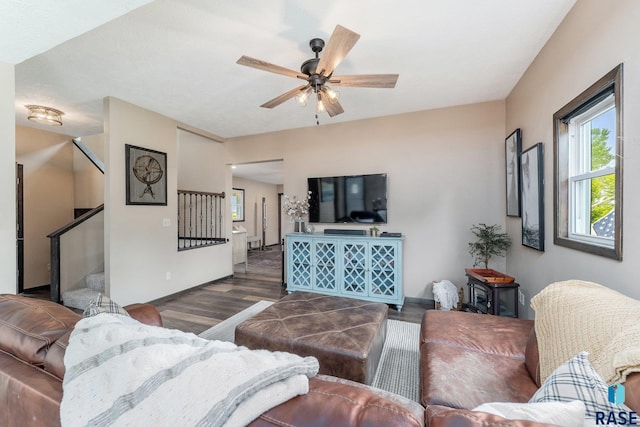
198, 309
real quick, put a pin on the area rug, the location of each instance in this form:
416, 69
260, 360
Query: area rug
225, 330
398, 368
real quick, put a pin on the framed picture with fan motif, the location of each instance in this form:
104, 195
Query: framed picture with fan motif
146, 175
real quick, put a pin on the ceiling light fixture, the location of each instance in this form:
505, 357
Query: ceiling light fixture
45, 115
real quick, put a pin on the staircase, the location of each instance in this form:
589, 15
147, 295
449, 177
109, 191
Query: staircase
77, 249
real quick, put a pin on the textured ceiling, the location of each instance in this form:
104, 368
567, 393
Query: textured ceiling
177, 57
30, 27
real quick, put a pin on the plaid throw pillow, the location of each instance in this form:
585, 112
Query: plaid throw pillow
103, 304
576, 379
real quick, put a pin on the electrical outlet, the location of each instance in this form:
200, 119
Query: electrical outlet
167, 275
166, 222
49, 267
520, 297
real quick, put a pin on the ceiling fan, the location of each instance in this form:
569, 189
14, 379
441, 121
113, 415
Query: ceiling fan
318, 73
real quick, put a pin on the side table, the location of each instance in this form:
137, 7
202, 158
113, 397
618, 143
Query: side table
492, 292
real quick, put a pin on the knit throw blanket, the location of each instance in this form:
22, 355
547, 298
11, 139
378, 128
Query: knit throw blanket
123, 373
575, 316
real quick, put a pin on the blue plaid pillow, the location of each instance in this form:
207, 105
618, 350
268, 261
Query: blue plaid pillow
576, 379
103, 304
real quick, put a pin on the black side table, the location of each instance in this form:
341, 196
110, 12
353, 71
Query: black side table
488, 296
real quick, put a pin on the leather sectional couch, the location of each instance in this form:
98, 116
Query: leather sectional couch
467, 359
34, 335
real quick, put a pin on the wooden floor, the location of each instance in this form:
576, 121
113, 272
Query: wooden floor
199, 309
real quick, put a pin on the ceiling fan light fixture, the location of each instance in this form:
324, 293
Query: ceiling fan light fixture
44, 115
332, 95
319, 105
303, 97
318, 71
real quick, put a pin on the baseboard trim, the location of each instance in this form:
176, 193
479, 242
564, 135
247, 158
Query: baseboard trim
37, 288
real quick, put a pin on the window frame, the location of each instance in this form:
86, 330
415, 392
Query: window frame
609, 84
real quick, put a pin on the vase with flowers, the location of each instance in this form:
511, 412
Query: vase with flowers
296, 209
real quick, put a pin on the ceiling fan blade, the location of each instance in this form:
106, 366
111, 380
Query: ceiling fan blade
284, 97
333, 108
366, 80
266, 66
339, 44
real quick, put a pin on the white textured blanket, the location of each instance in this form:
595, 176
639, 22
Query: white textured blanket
123, 373
574, 316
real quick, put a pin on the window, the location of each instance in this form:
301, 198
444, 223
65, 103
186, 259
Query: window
588, 169
237, 205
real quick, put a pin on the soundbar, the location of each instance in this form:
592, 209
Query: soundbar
388, 234
345, 231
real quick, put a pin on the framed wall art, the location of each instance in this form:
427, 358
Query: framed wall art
512, 151
146, 175
237, 204
532, 197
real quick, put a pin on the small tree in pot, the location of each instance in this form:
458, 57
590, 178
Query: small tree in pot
491, 241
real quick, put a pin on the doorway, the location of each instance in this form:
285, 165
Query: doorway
19, 229
262, 185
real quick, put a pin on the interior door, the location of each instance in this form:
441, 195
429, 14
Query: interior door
280, 219
264, 222
19, 230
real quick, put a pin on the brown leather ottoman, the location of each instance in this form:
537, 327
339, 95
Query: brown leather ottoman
346, 335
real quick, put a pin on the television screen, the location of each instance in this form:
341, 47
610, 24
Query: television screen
348, 199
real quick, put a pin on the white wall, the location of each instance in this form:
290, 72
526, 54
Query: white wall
7, 180
445, 173
593, 39
139, 250
254, 191
48, 195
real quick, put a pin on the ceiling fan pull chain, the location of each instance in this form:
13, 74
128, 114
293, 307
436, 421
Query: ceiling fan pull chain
317, 121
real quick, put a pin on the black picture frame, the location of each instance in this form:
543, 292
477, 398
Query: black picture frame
532, 196
512, 153
146, 176
237, 205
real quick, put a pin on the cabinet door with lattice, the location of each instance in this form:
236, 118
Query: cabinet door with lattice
299, 269
354, 268
325, 253
383, 269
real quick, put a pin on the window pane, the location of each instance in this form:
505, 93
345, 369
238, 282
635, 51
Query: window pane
594, 206
603, 197
603, 140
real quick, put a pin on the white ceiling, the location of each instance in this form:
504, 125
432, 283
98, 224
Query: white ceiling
177, 57
30, 27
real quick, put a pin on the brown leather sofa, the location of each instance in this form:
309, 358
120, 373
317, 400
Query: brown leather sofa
34, 335
467, 359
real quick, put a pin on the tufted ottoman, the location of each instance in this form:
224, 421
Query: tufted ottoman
346, 335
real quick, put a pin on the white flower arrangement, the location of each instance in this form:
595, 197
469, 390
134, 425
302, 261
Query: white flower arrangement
296, 208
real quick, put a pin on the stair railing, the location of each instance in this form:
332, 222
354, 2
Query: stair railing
200, 219
55, 249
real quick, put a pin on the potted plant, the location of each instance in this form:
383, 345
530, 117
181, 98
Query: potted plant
490, 242
297, 208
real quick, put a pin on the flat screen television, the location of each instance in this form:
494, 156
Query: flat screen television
348, 199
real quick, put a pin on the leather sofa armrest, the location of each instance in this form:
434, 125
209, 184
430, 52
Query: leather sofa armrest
337, 402
441, 416
145, 313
